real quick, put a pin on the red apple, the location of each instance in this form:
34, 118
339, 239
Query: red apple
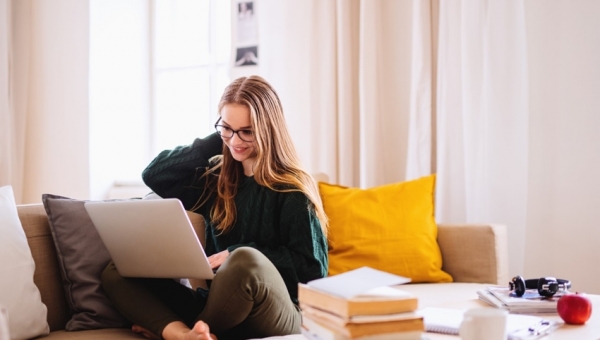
574, 309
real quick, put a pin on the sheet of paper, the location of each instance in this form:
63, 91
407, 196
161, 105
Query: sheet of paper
357, 281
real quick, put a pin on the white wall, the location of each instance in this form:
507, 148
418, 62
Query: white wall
564, 155
57, 153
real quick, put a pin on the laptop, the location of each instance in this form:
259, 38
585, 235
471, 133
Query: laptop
150, 238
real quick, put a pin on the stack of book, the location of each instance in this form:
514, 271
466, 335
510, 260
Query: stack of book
530, 303
378, 314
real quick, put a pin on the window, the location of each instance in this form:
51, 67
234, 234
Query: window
191, 45
157, 71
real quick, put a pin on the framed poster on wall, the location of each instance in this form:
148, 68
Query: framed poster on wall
246, 34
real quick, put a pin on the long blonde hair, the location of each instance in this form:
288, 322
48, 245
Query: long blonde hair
277, 165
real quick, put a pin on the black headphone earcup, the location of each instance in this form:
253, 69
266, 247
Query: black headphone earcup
547, 286
518, 284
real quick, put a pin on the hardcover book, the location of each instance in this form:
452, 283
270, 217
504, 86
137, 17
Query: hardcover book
381, 300
339, 321
396, 329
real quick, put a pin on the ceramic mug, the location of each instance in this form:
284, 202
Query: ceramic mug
483, 323
4, 333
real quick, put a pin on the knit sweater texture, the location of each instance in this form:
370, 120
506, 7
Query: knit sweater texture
282, 225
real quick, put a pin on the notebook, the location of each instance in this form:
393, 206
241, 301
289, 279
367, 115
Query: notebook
150, 238
530, 303
519, 327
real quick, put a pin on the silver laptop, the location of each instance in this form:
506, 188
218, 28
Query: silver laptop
150, 238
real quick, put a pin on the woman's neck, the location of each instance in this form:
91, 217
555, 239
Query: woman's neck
248, 165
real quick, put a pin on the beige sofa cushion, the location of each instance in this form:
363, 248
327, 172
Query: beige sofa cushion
474, 253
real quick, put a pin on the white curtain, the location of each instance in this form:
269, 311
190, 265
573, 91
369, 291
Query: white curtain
15, 50
482, 124
10, 157
343, 71
44, 101
15, 46
421, 159
6, 158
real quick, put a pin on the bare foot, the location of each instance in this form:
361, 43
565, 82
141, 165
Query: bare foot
200, 332
143, 331
177, 330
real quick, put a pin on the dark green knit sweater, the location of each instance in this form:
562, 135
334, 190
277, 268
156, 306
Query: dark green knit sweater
283, 226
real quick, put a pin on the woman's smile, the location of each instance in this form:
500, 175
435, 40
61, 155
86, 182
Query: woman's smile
238, 150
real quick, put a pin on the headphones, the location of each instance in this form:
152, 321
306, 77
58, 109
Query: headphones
546, 286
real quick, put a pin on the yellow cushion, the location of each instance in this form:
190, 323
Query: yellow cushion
390, 228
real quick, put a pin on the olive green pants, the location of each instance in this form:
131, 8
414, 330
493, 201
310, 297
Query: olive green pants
247, 299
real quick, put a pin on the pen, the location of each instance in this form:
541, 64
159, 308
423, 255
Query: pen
540, 329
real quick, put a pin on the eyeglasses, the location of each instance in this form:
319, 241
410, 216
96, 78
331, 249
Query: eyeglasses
227, 132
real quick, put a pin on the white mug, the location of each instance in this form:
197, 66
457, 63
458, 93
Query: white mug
484, 323
4, 333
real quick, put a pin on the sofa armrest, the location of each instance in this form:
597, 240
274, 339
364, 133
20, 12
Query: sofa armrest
474, 253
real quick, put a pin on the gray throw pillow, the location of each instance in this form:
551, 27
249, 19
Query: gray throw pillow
82, 257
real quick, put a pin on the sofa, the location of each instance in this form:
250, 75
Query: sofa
474, 255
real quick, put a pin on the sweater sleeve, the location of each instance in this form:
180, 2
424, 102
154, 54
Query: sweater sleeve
303, 257
175, 173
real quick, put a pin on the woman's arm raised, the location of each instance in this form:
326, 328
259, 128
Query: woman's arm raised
172, 173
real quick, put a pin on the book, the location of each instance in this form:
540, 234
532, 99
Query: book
380, 300
339, 321
310, 335
324, 329
518, 327
314, 331
530, 303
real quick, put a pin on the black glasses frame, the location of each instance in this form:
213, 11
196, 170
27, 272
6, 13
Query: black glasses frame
217, 125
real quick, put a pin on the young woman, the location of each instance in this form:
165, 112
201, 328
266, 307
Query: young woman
265, 227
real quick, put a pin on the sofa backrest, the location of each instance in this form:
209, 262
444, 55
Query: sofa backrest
47, 274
